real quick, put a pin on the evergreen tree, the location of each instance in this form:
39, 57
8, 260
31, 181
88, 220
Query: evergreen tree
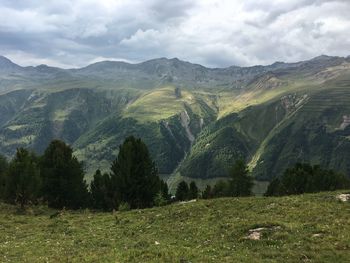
207, 193
182, 191
63, 177
102, 193
304, 178
241, 182
23, 180
3, 170
221, 189
164, 189
134, 174
193, 191
295, 180
274, 188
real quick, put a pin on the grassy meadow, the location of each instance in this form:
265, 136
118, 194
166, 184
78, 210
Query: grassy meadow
305, 228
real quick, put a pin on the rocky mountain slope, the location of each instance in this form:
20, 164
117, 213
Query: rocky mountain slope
195, 120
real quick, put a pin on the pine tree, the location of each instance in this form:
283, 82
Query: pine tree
102, 194
304, 178
3, 170
164, 189
241, 182
134, 174
207, 193
182, 191
221, 189
193, 191
23, 180
63, 177
274, 188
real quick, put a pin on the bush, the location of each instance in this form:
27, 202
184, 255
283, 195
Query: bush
124, 206
159, 200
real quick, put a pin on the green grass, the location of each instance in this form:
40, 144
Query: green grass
306, 228
160, 104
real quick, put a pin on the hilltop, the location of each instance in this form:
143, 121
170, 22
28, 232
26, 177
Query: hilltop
305, 228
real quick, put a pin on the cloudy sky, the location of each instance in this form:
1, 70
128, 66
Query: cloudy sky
215, 33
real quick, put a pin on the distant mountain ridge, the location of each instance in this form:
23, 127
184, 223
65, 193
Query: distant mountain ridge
196, 120
162, 71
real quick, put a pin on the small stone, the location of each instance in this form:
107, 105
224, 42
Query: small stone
254, 236
343, 197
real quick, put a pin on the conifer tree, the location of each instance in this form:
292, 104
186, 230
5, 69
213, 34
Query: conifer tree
182, 191
304, 178
3, 170
134, 174
102, 193
241, 182
193, 191
207, 193
63, 177
221, 189
23, 180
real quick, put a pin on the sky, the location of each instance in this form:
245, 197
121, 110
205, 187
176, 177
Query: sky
214, 33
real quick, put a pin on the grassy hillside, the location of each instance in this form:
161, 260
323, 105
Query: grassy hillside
96, 121
290, 123
306, 228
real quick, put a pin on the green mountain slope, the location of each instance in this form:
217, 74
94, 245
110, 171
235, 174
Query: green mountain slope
195, 120
305, 122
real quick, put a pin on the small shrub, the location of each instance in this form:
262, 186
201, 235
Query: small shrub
159, 200
124, 206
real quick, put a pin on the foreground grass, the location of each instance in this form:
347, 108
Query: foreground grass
306, 228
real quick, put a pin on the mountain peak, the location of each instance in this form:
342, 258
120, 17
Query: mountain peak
6, 64
322, 58
5, 61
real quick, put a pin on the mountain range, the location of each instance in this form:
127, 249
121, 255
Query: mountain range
195, 120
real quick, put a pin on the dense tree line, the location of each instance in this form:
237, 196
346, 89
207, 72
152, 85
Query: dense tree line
186, 192
57, 178
304, 178
240, 183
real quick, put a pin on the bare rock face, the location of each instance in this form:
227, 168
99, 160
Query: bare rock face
185, 122
345, 123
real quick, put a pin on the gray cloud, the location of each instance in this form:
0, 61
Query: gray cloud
214, 33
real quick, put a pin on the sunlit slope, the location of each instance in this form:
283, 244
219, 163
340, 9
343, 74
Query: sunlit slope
307, 122
166, 102
166, 120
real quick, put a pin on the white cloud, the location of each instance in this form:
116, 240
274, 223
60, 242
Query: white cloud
210, 32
